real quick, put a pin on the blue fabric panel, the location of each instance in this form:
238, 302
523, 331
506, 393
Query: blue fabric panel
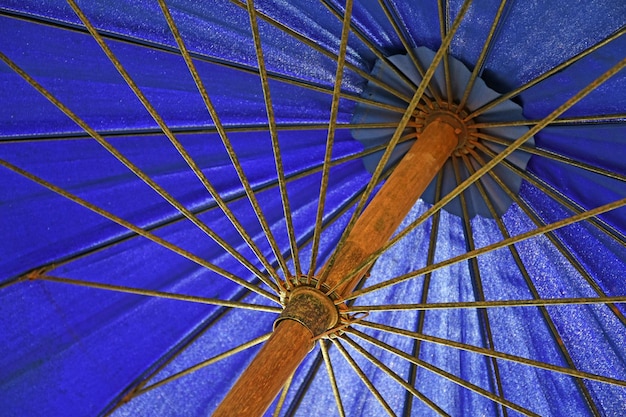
227, 27
95, 84
73, 351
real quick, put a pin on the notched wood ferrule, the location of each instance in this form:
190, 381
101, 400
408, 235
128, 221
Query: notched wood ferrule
311, 308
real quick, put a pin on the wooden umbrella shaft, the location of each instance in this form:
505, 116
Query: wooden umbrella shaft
278, 359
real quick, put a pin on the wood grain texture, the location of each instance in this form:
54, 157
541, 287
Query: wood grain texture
254, 392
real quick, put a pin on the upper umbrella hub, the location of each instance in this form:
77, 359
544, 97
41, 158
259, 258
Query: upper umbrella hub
482, 136
426, 113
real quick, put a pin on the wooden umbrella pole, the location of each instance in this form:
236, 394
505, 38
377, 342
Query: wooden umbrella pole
309, 313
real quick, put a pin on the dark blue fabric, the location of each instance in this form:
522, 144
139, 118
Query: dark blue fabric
72, 351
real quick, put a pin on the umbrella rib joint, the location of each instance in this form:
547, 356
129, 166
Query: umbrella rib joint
311, 313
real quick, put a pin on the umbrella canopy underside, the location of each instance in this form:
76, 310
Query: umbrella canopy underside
163, 182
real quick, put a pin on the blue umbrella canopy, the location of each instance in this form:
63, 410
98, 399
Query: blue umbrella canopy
171, 168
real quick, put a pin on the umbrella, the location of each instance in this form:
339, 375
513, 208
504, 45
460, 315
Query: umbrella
172, 171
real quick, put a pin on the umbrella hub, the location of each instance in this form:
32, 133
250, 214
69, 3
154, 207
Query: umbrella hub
449, 113
452, 96
311, 307
316, 308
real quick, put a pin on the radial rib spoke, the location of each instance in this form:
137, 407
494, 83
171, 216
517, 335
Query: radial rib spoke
547, 74
330, 139
208, 59
283, 396
421, 315
438, 371
304, 385
575, 121
236, 197
191, 130
395, 138
539, 302
478, 67
443, 9
533, 290
205, 97
363, 377
479, 293
338, 213
372, 47
392, 17
492, 353
555, 156
331, 377
129, 164
556, 196
161, 294
140, 231
176, 351
275, 145
553, 239
485, 249
492, 163
390, 372
204, 364
325, 52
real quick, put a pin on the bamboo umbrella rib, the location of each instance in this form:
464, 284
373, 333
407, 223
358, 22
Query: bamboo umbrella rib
576, 121
140, 231
130, 234
545, 75
235, 161
306, 41
133, 168
370, 386
192, 130
421, 315
345, 31
553, 239
177, 351
506, 242
453, 378
395, 138
160, 294
331, 377
275, 145
443, 11
204, 364
479, 293
384, 368
305, 385
497, 354
283, 396
542, 302
478, 66
283, 78
198, 81
311, 374
492, 163
533, 290
335, 216
554, 156
560, 198
363, 37
392, 18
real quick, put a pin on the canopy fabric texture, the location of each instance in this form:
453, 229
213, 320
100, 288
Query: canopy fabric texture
99, 199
